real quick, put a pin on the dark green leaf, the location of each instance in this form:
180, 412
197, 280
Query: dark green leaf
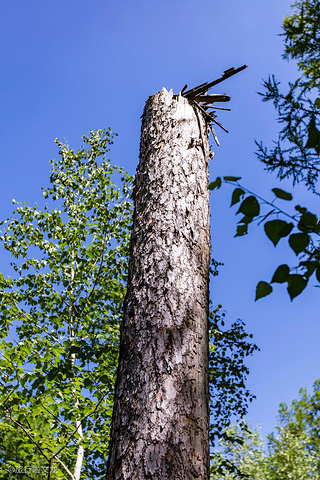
296, 284
282, 194
231, 179
307, 220
318, 274
104, 379
263, 289
313, 136
309, 266
250, 207
241, 230
317, 102
276, 229
298, 242
236, 195
281, 274
215, 184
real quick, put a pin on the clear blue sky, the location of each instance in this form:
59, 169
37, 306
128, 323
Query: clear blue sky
71, 66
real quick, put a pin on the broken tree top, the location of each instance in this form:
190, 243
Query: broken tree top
200, 98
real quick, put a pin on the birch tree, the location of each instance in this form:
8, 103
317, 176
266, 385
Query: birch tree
59, 316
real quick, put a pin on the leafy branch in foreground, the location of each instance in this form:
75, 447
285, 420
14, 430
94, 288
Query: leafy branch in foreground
296, 154
302, 231
60, 313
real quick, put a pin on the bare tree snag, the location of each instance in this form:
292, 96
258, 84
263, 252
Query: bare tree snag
160, 426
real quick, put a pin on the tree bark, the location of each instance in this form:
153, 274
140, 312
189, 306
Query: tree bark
160, 426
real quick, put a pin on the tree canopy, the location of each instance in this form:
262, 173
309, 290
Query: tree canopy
60, 312
292, 453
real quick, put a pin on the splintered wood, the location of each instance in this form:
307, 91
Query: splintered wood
199, 98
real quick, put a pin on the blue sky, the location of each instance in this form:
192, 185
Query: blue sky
68, 67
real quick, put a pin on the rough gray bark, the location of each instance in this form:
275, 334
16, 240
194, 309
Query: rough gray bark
160, 425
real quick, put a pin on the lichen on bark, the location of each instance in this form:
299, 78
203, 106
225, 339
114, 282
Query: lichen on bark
161, 416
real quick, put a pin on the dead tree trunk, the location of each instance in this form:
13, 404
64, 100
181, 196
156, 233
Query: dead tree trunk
161, 414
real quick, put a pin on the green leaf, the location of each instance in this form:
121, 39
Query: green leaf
216, 184
317, 102
299, 242
309, 266
314, 136
282, 194
308, 221
277, 229
241, 230
236, 195
263, 289
231, 179
281, 274
296, 284
249, 207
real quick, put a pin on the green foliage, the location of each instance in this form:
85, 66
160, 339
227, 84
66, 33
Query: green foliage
301, 38
240, 459
60, 312
297, 150
228, 349
303, 241
294, 453
296, 155
301, 418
